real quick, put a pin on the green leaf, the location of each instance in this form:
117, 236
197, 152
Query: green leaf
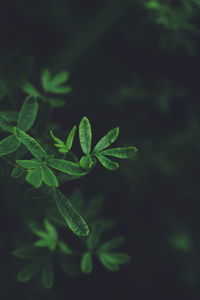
57, 140
9, 145
71, 216
70, 138
85, 135
107, 163
30, 143
27, 114
28, 272
113, 260
4, 124
68, 266
35, 177
86, 162
28, 164
49, 177
96, 231
60, 89
86, 263
64, 248
56, 102
46, 79
10, 115
60, 78
29, 89
107, 140
26, 252
47, 275
65, 166
114, 243
17, 172
120, 152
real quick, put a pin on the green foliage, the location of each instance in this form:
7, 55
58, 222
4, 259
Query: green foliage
85, 135
9, 145
27, 114
86, 263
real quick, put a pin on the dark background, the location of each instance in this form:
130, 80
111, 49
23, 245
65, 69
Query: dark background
128, 71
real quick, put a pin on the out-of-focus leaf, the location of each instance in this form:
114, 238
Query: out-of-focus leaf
47, 275
17, 172
8, 145
46, 79
60, 78
113, 260
65, 248
27, 114
68, 266
86, 263
112, 244
26, 252
4, 124
29, 89
28, 272
10, 115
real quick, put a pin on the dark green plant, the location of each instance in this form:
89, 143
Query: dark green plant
34, 160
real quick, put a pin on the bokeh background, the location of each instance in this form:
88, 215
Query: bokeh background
133, 64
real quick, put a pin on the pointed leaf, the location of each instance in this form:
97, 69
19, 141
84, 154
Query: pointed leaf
35, 177
85, 135
28, 164
27, 114
9, 145
26, 252
57, 140
70, 138
65, 166
46, 79
107, 140
60, 78
64, 248
71, 216
120, 152
30, 90
28, 272
47, 275
30, 143
107, 262
107, 163
4, 124
49, 177
50, 229
86, 263
114, 243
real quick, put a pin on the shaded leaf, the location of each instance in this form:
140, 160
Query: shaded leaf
46, 79
9, 145
65, 248
17, 172
47, 275
29, 89
26, 252
71, 216
27, 114
107, 163
56, 102
85, 135
60, 89
60, 78
49, 177
10, 115
68, 266
30, 143
107, 140
35, 177
120, 152
4, 124
114, 243
28, 272
86, 263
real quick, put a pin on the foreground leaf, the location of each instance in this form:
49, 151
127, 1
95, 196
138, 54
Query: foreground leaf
86, 263
27, 114
30, 143
9, 145
35, 177
70, 138
49, 177
71, 216
127, 152
28, 164
65, 166
85, 135
107, 163
107, 140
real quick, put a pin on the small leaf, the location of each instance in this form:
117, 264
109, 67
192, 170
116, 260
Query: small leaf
85, 135
49, 177
120, 152
68, 266
107, 140
107, 163
28, 164
86, 263
31, 90
57, 140
112, 244
71, 216
107, 262
70, 138
47, 275
17, 172
28, 272
8, 145
26, 252
27, 114
86, 162
60, 89
35, 177
4, 124
56, 102
60, 78
65, 166
30, 143
46, 79
97, 229
64, 248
